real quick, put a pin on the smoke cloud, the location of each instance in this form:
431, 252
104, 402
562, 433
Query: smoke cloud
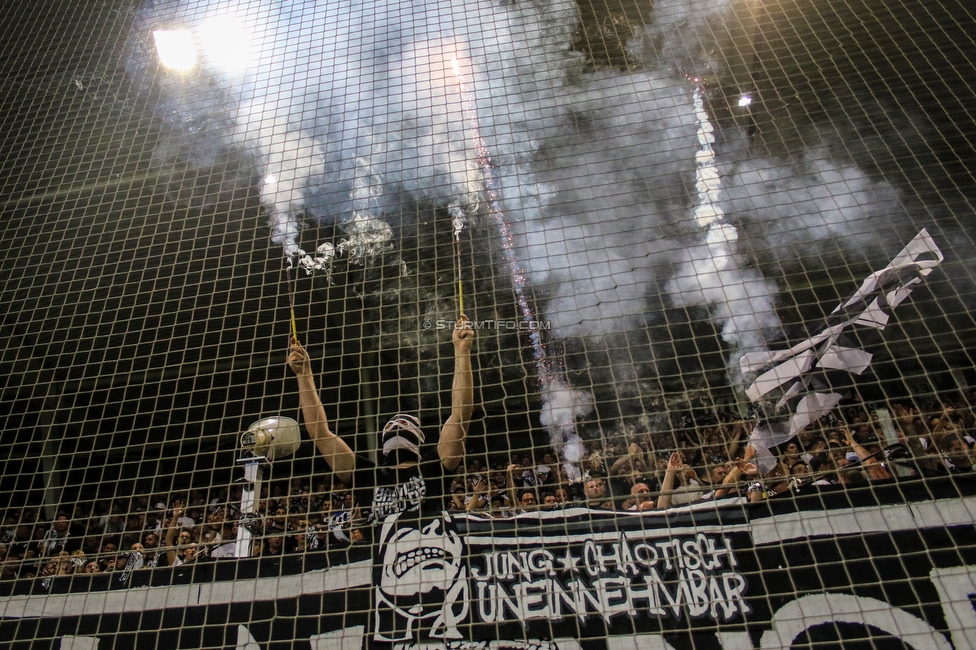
796, 207
343, 107
622, 196
562, 406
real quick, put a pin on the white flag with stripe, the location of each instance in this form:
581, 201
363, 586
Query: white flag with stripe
869, 306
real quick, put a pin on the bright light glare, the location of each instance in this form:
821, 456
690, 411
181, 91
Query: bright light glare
175, 49
745, 100
226, 43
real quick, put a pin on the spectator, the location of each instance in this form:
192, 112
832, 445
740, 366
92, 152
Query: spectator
211, 531
278, 523
713, 475
522, 498
20, 544
184, 550
957, 455
135, 523
480, 500
137, 558
298, 538
791, 453
823, 471
596, 494
61, 536
562, 495
800, 469
737, 471
868, 457
406, 477
640, 498
627, 470
774, 482
9, 564
527, 500
228, 541
107, 553
911, 432
273, 545
459, 498
593, 463
473, 473
78, 561
184, 520
113, 522
115, 562
680, 485
57, 566
817, 447
196, 515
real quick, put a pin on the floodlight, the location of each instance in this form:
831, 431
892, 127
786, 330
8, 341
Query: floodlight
175, 48
272, 438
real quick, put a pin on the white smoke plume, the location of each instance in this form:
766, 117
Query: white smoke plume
562, 406
712, 275
348, 108
687, 36
618, 173
345, 107
798, 206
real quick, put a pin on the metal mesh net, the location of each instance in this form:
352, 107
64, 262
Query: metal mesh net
713, 260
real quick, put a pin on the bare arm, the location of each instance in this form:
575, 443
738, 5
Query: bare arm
741, 468
170, 540
477, 499
450, 447
64, 564
510, 484
739, 428
910, 436
640, 453
667, 485
871, 464
336, 453
944, 423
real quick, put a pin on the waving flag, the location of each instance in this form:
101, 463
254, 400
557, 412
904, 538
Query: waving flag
869, 306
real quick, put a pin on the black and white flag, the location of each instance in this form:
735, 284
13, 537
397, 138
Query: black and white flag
869, 306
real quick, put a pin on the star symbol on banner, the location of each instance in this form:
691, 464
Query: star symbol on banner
569, 562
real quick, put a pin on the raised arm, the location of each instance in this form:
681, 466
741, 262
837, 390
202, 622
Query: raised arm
740, 429
739, 469
336, 453
478, 498
871, 464
169, 542
510, 484
450, 447
910, 436
675, 464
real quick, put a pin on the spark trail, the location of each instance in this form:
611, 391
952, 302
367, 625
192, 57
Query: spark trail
561, 405
712, 274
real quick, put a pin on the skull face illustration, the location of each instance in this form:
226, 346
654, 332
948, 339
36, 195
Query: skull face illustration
421, 579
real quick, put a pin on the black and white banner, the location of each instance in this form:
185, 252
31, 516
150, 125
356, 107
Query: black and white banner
892, 565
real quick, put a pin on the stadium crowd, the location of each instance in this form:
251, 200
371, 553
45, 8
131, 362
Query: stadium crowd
706, 458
